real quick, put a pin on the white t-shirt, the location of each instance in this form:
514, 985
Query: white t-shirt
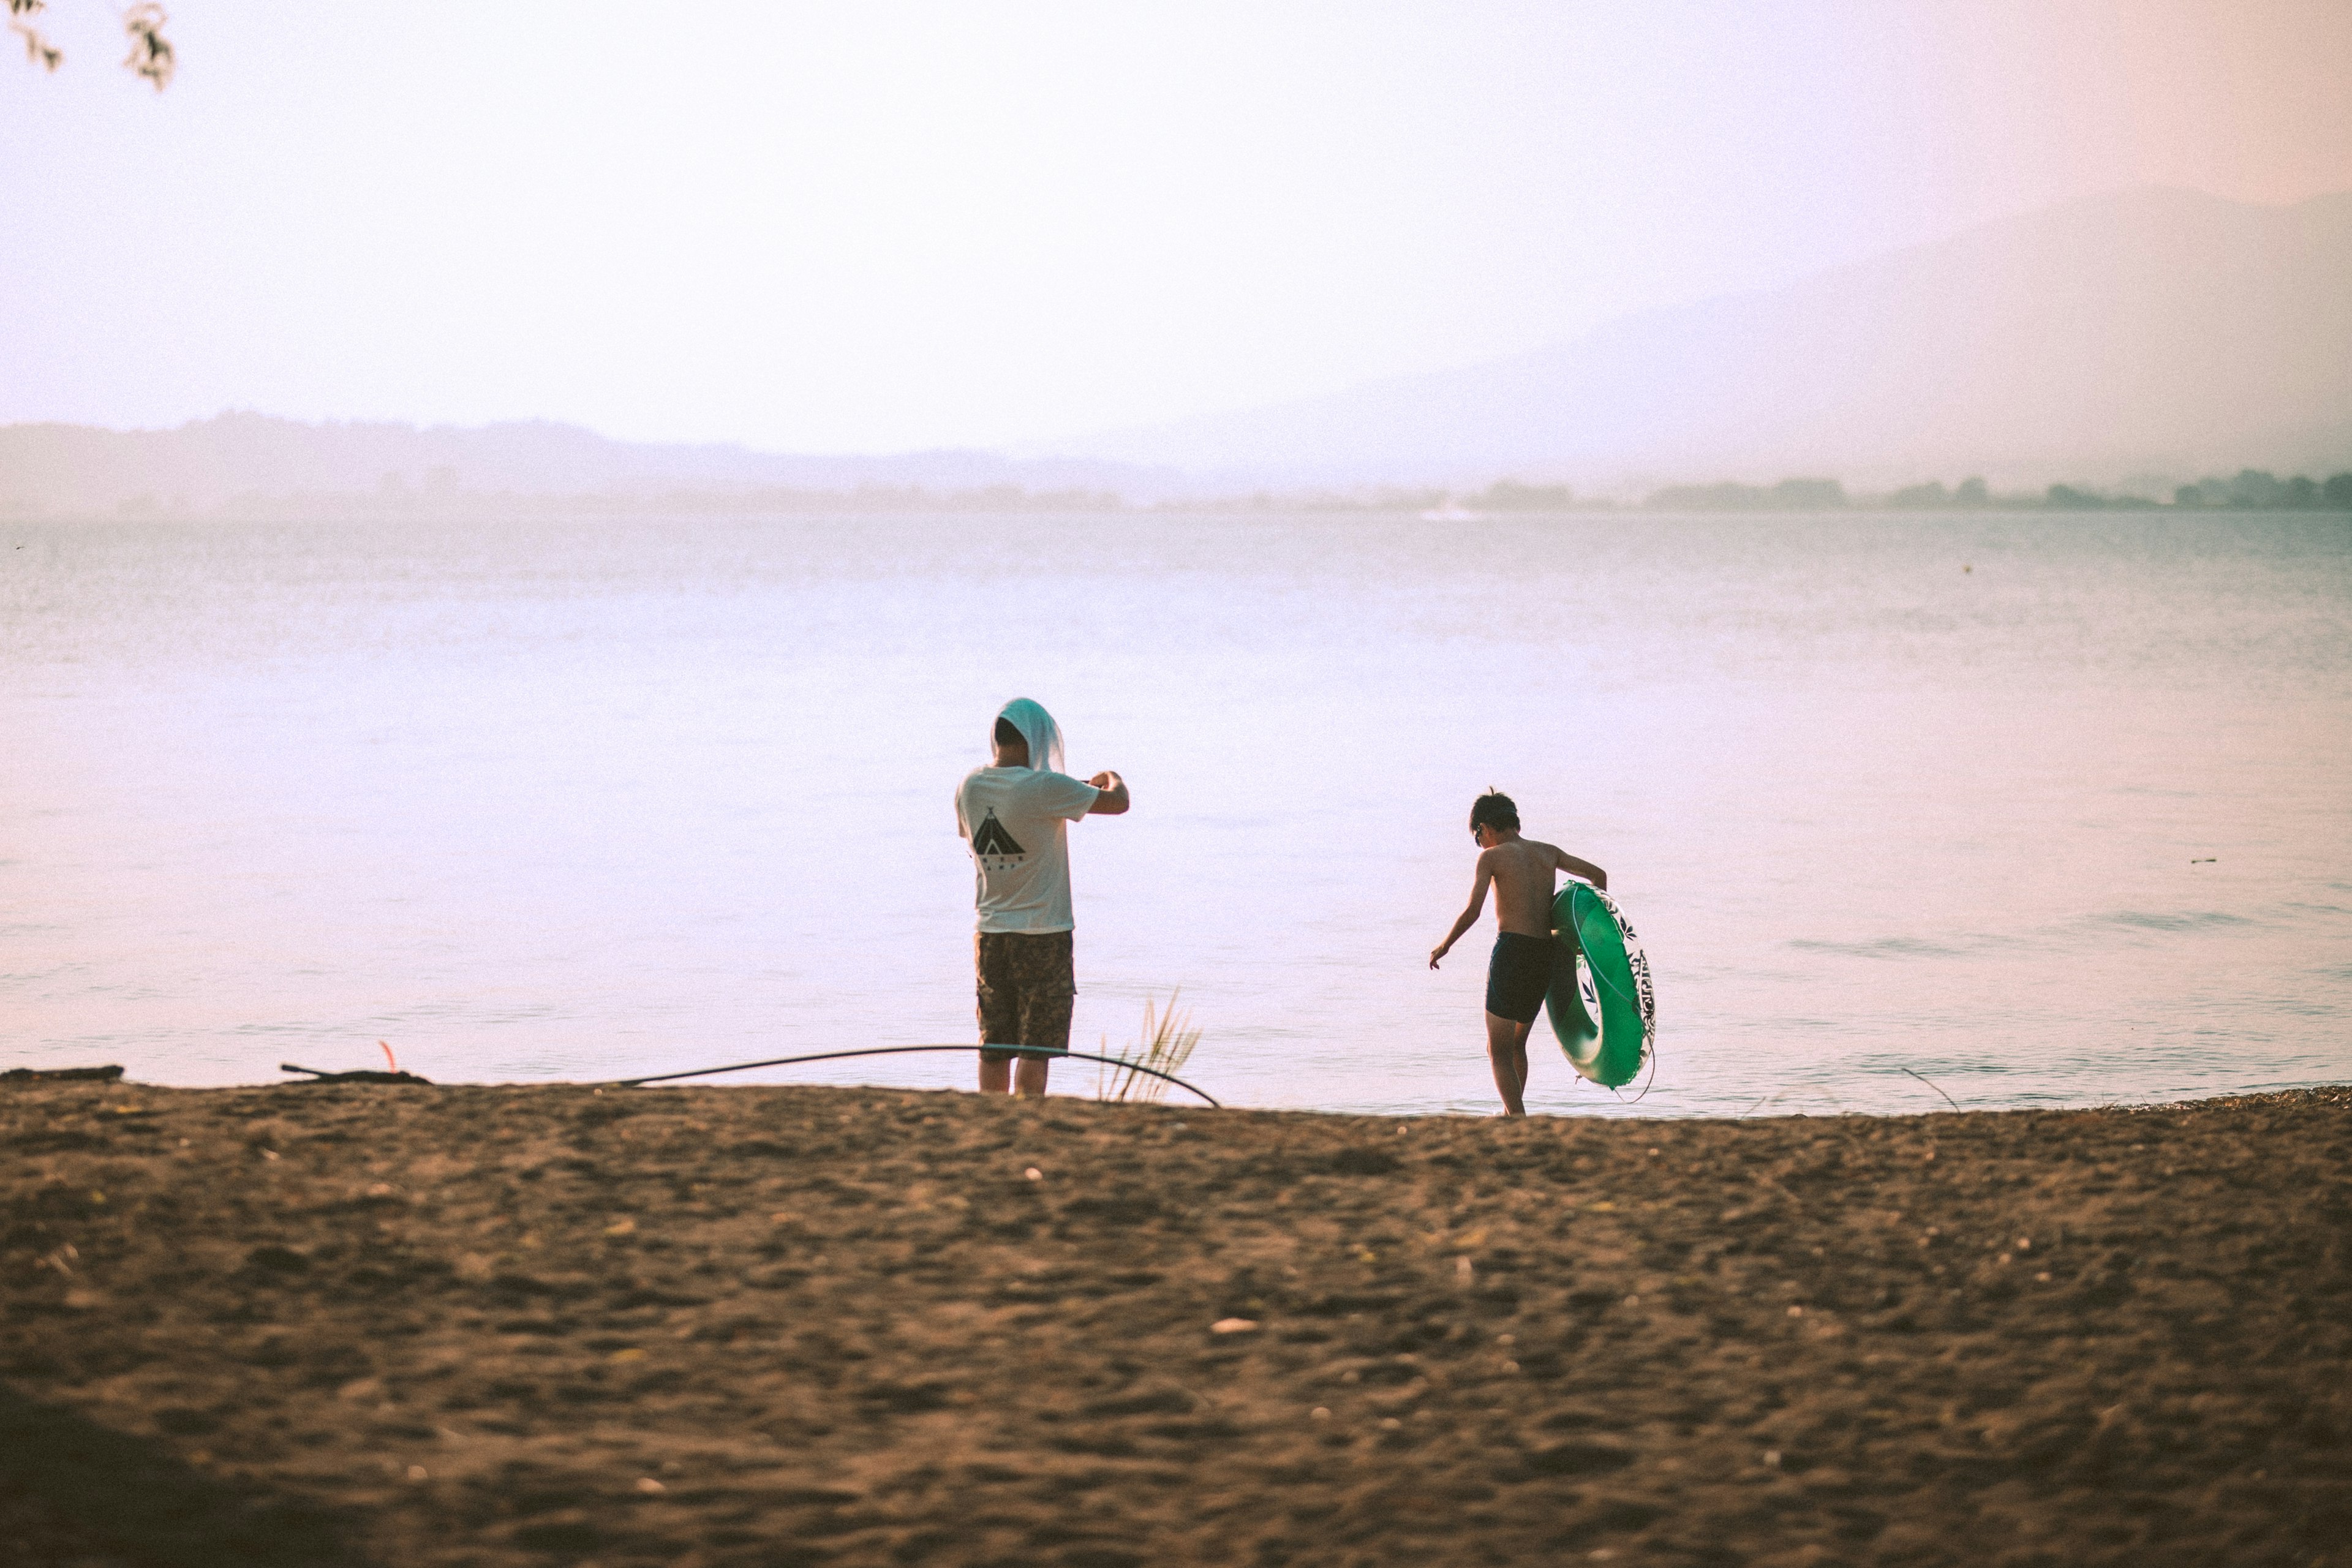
1017, 823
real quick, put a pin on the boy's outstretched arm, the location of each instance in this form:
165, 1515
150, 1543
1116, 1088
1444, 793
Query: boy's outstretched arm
1584, 868
1469, 916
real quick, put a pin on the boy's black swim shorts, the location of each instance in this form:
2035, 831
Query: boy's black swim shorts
1518, 976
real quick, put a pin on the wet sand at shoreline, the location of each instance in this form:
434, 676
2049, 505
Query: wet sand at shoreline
537, 1325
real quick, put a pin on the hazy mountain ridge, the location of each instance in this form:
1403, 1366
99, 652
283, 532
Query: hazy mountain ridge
2149, 334
253, 459
2151, 330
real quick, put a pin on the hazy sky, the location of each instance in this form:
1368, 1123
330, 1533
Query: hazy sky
872, 227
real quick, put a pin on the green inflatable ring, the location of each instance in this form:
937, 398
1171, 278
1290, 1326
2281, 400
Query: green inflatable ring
1601, 1003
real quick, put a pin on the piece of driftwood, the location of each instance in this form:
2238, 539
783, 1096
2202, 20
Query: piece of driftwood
362, 1076
61, 1074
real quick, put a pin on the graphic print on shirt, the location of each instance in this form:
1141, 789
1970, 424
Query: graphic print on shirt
990, 839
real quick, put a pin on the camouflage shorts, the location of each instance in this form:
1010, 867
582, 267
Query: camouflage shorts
1026, 983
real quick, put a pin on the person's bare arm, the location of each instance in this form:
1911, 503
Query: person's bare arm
1584, 868
1469, 916
1112, 802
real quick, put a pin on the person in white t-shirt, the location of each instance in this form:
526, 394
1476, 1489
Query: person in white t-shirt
1015, 815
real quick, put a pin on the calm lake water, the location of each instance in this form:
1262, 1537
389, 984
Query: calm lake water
2044, 809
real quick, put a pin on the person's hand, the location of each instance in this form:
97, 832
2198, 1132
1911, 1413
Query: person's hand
1101, 781
1437, 953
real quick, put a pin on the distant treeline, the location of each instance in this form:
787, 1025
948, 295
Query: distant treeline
2267, 492
862, 498
2250, 489
443, 495
446, 499
1789, 495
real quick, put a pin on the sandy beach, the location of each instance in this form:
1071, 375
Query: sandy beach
719, 1326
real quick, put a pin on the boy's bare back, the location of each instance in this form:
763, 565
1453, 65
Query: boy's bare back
1521, 871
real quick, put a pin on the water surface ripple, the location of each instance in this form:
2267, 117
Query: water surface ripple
2045, 809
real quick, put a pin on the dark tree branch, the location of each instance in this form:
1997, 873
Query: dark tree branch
151, 56
150, 53
37, 48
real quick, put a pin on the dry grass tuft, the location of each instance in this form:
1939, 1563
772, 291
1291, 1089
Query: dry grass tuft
1167, 1044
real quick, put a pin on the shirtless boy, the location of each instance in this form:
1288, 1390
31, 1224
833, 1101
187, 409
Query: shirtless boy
1521, 971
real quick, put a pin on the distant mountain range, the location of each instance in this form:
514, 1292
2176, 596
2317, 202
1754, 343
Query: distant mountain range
2149, 332
258, 462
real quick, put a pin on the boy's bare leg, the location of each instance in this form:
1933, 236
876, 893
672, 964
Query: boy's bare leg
995, 1078
1506, 1048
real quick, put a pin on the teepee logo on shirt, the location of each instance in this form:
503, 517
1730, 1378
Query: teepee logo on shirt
991, 839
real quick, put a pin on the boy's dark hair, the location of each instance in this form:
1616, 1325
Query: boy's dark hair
1493, 809
1006, 735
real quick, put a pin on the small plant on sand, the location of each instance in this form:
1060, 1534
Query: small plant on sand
1167, 1040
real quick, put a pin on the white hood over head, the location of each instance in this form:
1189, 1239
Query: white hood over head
1038, 728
